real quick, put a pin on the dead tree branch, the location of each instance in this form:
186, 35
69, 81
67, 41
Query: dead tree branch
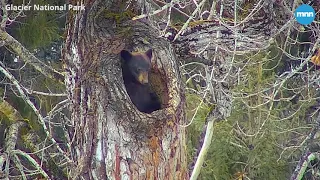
28, 57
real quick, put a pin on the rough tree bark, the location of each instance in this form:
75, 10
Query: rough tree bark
112, 139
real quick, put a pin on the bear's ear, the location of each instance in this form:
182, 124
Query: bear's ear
126, 55
149, 54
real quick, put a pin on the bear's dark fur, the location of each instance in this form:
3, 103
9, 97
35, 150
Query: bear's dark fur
135, 71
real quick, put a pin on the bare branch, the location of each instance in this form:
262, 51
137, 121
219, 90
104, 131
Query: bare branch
204, 148
32, 161
30, 91
35, 110
28, 57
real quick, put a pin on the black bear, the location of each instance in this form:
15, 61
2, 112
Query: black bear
135, 71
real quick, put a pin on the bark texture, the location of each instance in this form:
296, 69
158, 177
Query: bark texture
112, 139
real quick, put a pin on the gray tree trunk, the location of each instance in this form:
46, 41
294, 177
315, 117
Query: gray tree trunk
112, 139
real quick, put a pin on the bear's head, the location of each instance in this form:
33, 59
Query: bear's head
137, 64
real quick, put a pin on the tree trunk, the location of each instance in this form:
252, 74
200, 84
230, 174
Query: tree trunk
112, 139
